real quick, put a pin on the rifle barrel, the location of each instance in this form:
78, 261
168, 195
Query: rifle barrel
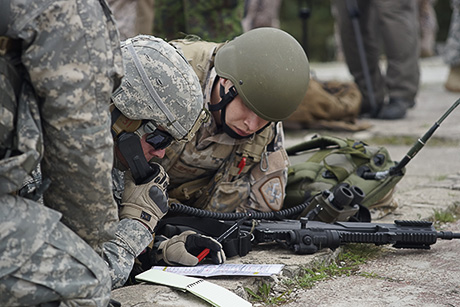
448, 235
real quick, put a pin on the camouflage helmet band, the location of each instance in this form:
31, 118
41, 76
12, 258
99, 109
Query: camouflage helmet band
202, 118
153, 94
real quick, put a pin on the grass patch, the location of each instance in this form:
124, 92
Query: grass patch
370, 275
443, 216
346, 263
440, 178
449, 215
264, 294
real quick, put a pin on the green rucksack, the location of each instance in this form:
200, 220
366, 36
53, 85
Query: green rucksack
334, 162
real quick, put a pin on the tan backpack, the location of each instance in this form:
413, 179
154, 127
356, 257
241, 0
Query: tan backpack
331, 105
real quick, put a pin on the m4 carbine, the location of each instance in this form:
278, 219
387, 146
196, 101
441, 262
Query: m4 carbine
307, 237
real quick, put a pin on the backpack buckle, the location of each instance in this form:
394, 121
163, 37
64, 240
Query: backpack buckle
8, 44
5, 43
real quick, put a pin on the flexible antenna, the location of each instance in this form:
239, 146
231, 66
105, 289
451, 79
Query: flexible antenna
397, 169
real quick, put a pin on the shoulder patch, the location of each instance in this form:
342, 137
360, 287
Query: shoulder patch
272, 192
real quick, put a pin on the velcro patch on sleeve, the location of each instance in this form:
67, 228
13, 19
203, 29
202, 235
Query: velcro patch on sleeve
273, 193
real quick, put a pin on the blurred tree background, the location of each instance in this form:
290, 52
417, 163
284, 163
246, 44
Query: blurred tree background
312, 24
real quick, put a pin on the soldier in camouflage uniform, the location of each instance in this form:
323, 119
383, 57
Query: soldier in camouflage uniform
452, 50
212, 20
158, 101
237, 161
59, 63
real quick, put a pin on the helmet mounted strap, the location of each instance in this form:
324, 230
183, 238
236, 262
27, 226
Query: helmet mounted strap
229, 131
226, 98
121, 123
221, 106
114, 116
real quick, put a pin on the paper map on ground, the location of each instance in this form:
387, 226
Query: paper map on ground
210, 292
225, 269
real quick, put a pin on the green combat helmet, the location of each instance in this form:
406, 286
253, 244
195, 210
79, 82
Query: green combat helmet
268, 68
159, 87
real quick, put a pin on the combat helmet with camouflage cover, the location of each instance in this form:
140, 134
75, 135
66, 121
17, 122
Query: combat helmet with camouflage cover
159, 88
269, 70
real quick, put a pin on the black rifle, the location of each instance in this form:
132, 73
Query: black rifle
307, 237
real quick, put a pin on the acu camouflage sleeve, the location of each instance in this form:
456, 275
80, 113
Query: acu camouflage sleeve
131, 238
72, 55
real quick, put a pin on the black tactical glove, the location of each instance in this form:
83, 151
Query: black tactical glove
183, 249
146, 202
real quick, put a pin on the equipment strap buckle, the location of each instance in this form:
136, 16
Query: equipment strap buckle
5, 44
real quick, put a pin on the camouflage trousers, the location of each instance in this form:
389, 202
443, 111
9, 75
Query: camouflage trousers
451, 53
55, 268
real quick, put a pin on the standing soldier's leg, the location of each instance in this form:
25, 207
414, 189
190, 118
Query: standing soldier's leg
261, 13
428, 27
371, 48
124, 12
451, 53
401, 40
145, 16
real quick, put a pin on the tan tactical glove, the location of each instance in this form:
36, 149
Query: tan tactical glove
146, 202
183, 249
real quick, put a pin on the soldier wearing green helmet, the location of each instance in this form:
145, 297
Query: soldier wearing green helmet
237, 161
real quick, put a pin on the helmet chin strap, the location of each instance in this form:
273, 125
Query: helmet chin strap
221, 106
229, 131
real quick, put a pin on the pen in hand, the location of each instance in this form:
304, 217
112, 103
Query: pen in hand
223, 236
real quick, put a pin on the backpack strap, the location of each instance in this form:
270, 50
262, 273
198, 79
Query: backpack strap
317, 142
341, 162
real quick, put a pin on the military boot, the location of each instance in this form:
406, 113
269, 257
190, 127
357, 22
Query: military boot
395, 109
453, 80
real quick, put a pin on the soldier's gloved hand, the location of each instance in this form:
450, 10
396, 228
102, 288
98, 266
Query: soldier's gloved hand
146, 202
183, 249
